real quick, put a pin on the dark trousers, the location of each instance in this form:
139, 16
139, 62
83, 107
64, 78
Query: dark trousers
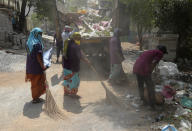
59, 50
150, 87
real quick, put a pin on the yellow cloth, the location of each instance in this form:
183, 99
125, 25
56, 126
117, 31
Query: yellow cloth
77, 42
76, 37
65, 48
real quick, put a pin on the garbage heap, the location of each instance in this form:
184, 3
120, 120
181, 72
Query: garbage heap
176, 89
167, 74
91, 24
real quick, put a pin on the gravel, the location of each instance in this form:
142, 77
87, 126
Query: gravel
12, 62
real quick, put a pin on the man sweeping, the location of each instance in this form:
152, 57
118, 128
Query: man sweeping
143, 69
35, 66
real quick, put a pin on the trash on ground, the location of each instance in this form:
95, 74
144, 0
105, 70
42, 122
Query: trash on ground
135, 105
186, 102
167, 68
169, 128
129, 96
168, 92
160, 117
181, 111
185, 125
158, 96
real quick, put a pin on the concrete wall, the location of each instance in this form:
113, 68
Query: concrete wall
168, 40
5, 25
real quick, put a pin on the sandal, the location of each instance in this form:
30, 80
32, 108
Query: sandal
38, 100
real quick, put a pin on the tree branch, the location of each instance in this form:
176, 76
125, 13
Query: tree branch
29, 8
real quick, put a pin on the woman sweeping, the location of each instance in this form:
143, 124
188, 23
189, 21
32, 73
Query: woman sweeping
71, 65
34, 66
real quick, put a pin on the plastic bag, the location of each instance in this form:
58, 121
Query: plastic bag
186, 102
47, 57
169, 128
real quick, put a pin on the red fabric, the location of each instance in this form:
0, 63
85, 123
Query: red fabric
168, 92
143, 64
68, 76
70, 92
38, 85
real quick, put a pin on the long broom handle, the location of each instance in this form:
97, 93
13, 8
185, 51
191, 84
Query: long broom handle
90, 64
93, 68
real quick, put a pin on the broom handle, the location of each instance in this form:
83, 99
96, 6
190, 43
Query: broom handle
90, 64
93, 68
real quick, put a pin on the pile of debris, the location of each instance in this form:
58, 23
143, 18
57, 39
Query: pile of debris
176, 88
17, 40
94, 25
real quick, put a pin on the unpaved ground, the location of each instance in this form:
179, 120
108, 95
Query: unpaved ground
89, 113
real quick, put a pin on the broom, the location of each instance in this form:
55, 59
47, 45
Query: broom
51, 108
92, 68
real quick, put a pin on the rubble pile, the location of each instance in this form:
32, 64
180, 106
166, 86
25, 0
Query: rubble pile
17, 40
94, 25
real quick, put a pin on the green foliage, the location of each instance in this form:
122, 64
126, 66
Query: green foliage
141, 13
44, 8
36, 19
176, 16
173, 15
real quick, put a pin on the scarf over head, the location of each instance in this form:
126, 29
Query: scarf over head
34, 38
76, 37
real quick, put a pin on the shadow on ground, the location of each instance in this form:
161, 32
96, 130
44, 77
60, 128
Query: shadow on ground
72, 104
55, 80
127, 119
31, 110
128, 86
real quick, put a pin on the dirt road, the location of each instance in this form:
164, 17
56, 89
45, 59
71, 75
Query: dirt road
89, 113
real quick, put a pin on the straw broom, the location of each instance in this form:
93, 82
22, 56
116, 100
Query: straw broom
51, 108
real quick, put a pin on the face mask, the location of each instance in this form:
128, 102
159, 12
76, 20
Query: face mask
77, 42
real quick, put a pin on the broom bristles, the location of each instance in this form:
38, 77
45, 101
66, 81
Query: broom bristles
51, 108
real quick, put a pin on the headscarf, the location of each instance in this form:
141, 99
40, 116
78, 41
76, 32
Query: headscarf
116, 32
76, 37
34, 38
